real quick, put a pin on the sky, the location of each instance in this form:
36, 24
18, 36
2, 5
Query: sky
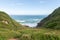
29, 7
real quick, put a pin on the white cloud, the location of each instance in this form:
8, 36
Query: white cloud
18, 12
26, 12
42, 1
19, 4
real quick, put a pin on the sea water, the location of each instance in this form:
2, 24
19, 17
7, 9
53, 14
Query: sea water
29, 20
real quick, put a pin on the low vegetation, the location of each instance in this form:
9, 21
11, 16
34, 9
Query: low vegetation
46, 29
8, 23
51, 21
30, 34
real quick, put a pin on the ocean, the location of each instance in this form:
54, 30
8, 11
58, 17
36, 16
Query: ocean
29, 20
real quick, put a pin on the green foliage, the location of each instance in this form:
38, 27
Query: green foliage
52, 21
7, 22
30, 34
52, 25
13, 30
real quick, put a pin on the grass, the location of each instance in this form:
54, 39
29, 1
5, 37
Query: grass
13, 30
11, 23
30, 34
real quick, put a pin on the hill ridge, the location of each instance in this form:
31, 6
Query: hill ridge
7, 22
52, 20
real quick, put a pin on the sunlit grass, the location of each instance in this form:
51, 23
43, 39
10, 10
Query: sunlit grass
30, 34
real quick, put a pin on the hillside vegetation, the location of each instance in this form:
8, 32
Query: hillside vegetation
7, 22
52, 21
46, 29
30, 34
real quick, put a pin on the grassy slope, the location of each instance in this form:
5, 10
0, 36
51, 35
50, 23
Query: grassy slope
12, 24
30, 34
52, 21
39, 34
15, 30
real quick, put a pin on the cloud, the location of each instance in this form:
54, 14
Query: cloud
30, 12
42, 1
19, 4
12, 11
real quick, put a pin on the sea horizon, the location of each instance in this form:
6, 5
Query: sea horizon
28, 20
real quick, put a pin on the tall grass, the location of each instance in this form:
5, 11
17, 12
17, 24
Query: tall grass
30, 34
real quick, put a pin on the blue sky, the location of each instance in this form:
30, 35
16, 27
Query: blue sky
28, 7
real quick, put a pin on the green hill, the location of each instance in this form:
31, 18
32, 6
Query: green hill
7, 22
11, 30
52, 21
